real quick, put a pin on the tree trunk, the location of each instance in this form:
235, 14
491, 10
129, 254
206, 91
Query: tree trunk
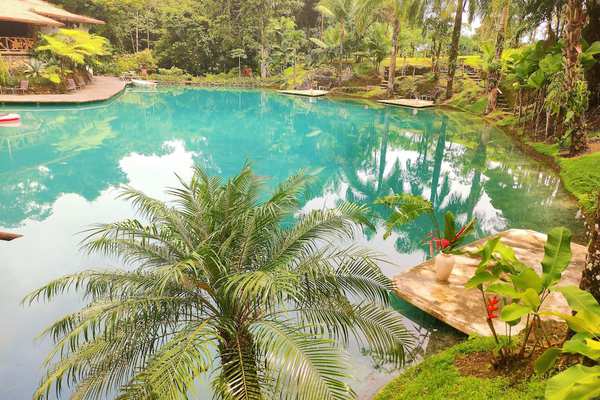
494, 76
590, 278
453, 56
392, 70
137, 32
575, 20
263, 50
342, 36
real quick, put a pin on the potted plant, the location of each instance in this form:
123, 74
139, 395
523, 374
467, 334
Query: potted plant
448, 246
405, 208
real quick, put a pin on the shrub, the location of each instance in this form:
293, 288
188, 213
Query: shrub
4, 72
135, 61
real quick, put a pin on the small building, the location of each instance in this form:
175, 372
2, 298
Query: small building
22, 20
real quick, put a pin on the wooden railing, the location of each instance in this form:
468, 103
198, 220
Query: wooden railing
16, 45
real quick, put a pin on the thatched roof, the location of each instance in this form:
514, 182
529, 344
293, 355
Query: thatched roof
39, 12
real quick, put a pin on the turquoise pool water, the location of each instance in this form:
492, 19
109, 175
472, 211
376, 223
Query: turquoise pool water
59, 173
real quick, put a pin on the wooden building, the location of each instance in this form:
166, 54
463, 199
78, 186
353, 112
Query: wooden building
22, 20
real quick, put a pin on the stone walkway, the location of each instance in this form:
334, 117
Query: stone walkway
463, 308
413, 103
306, 93
101, 88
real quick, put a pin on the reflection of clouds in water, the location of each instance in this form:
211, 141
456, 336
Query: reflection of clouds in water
154, 174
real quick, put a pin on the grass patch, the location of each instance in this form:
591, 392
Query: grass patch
581, 176
472, 61
550, 150
412, 61
437, 378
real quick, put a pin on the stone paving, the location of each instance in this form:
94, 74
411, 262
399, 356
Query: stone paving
101, 88
463, 308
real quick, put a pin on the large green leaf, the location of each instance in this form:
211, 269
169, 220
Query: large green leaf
449, 226
557, 254
526, 279
531, 298
480, 278
582, 322
575, 383
504, 289
584, 344
514, 311
547, 360
536, 80
579, 300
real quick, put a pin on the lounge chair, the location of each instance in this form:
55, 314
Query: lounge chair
71, 85
23, 87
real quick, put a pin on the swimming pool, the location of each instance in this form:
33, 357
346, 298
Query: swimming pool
60, 170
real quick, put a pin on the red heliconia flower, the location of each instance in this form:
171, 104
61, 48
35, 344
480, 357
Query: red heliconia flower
492, 307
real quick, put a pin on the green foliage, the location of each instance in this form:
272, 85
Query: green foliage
577, 382
73, 48
136, 61
437, 378
219, 273
581, 176
528, 290
404, 208
4, 72
285, 43
39, 71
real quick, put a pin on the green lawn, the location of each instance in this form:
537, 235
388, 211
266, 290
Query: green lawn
580, 175
436, 378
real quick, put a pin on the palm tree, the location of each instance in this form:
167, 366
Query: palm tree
453, 54
343, 13
394, 12
228, 286
496, 70
574, 83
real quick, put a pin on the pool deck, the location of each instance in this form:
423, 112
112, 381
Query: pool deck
413, 103
462, 308
102, 88
306, 93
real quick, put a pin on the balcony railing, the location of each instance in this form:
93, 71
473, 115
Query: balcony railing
16, 45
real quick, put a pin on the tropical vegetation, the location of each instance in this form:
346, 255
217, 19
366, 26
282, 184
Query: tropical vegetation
226, 287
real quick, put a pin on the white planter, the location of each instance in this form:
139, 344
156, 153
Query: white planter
443, 266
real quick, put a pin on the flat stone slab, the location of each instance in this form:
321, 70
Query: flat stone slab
463, 308
307, 93
101, 88
413, 103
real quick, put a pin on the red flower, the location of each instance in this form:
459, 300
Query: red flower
444, 243
492, 307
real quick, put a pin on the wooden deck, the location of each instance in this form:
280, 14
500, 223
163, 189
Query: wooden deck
306, 93
101, 88
462, 308
413, 103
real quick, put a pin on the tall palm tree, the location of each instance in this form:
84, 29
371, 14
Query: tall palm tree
394, 12
343, 13
228, 286
496, 70
456, 31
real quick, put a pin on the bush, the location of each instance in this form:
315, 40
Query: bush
4, 73
135, 61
